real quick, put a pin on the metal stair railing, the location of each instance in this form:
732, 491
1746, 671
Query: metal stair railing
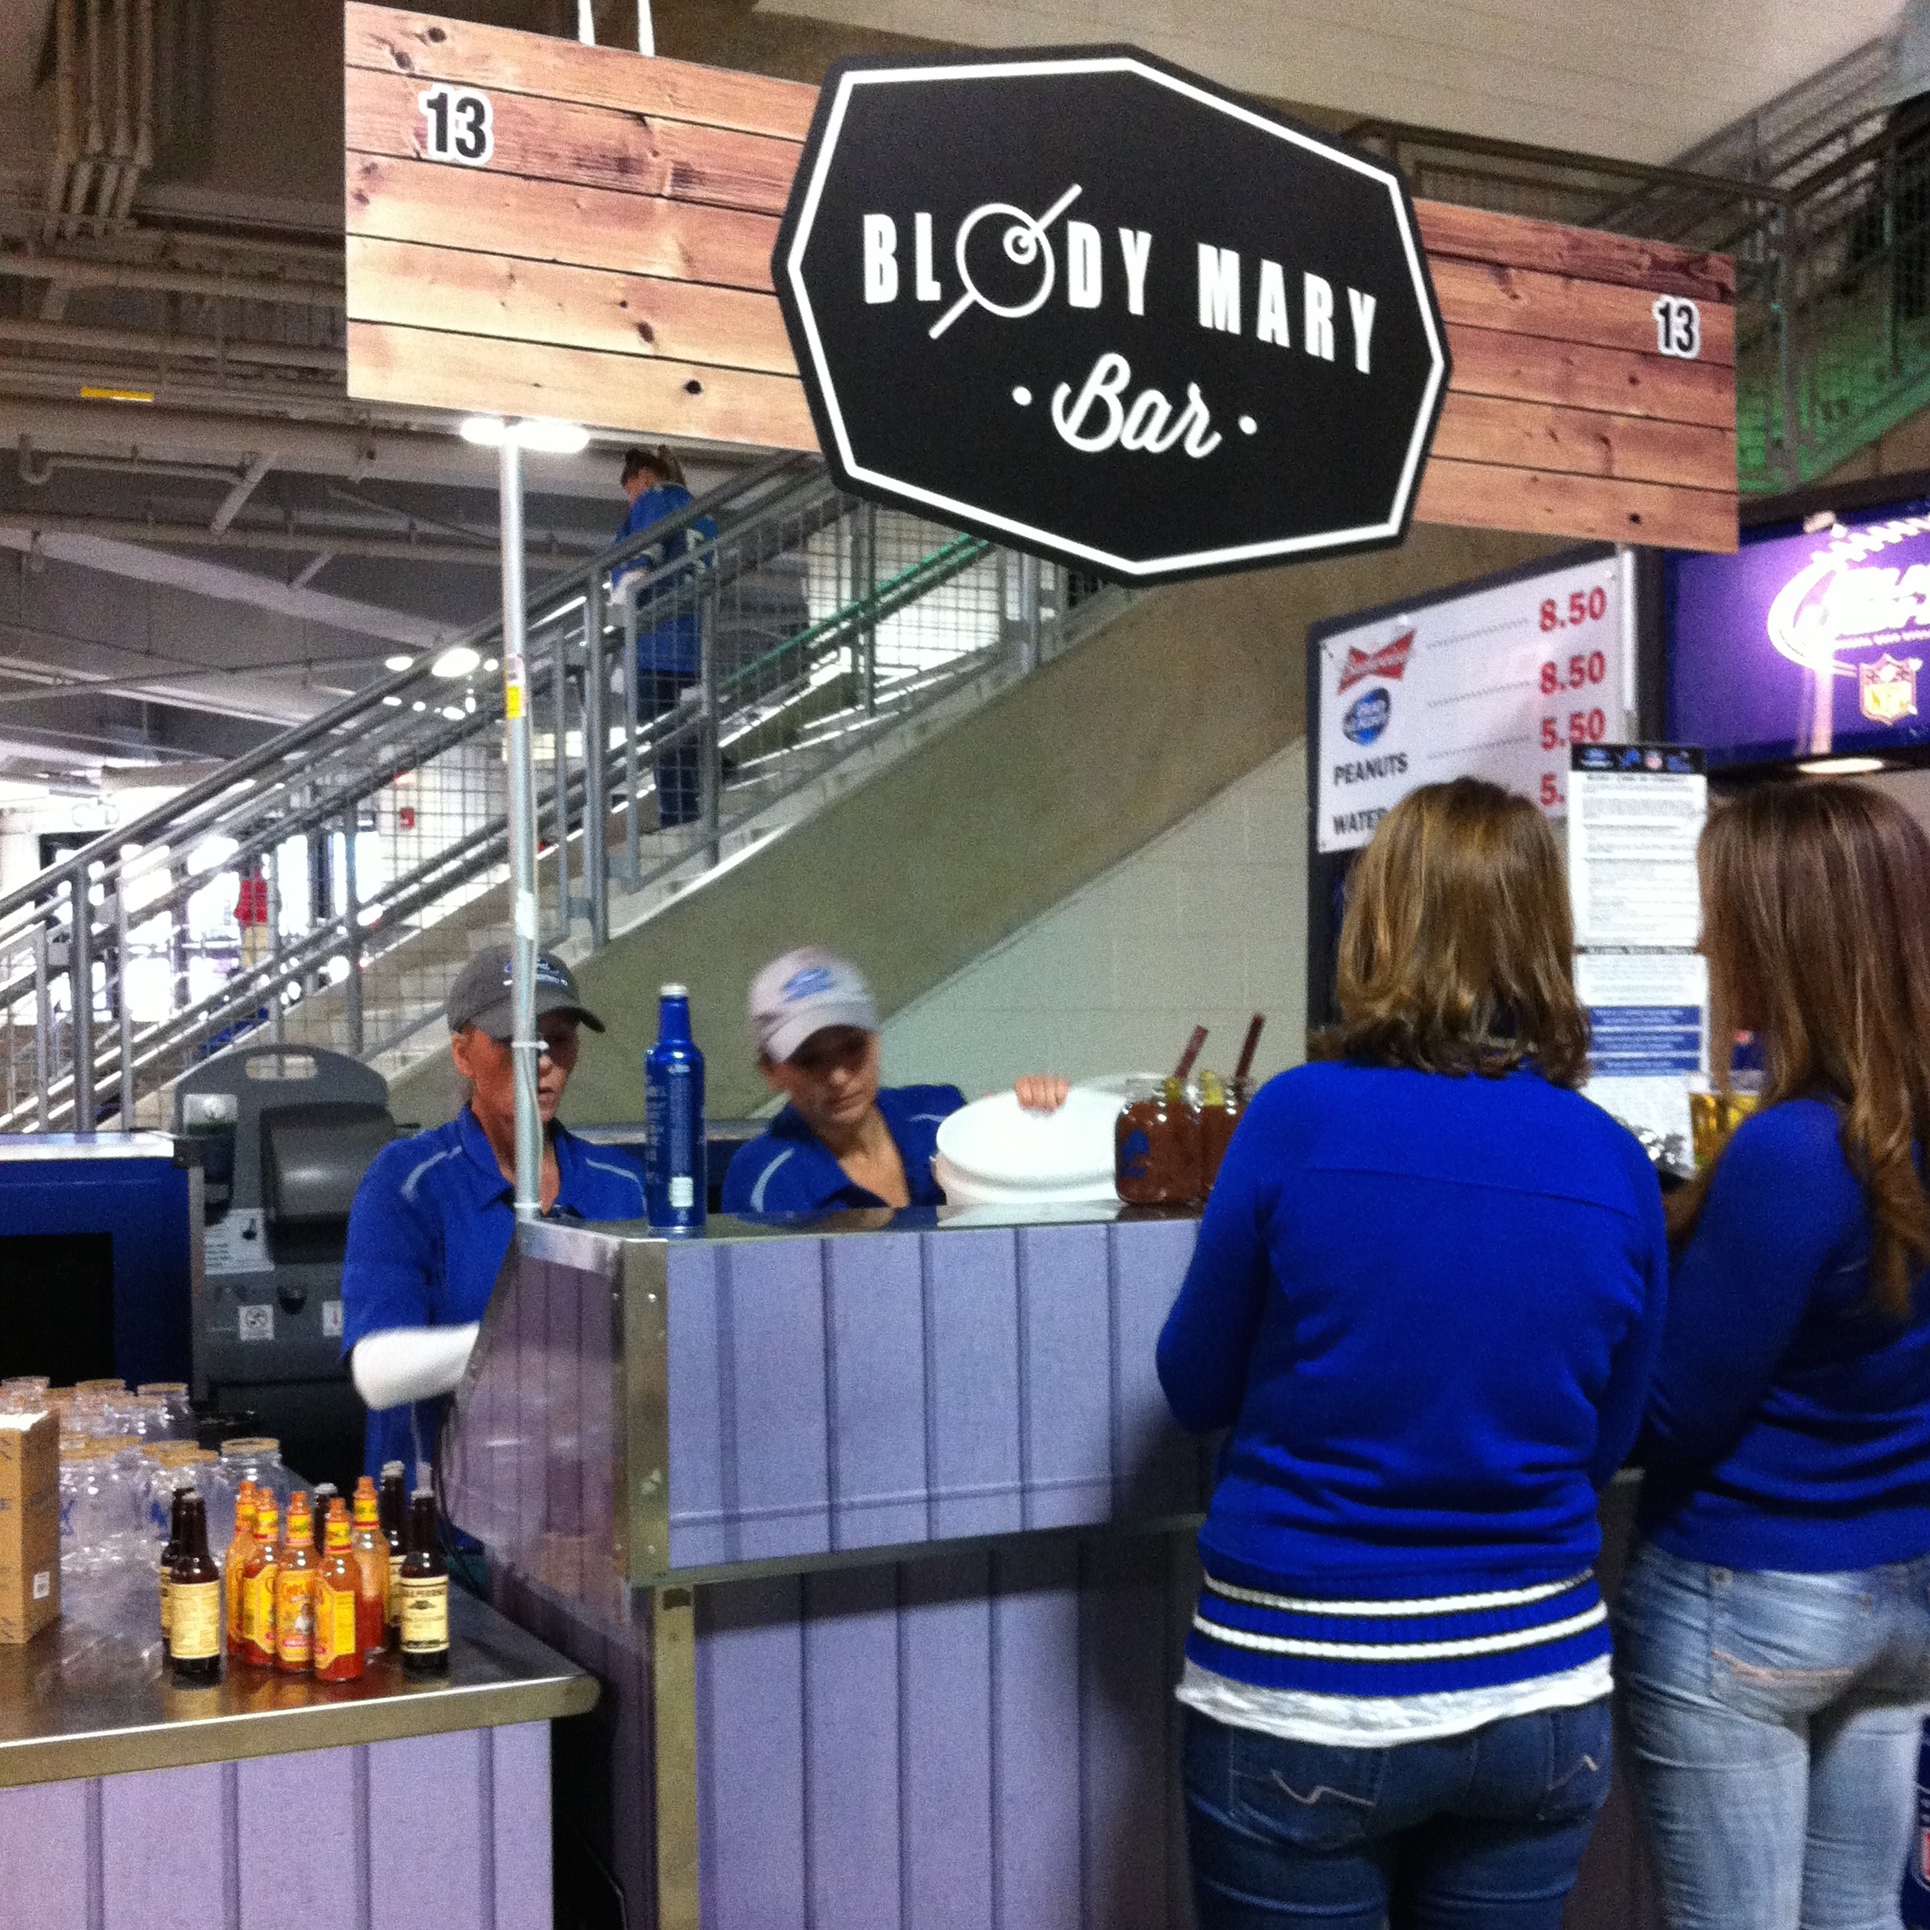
1831, 246
323, 888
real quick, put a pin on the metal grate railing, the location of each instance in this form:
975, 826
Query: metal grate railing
1830, 236
689, 688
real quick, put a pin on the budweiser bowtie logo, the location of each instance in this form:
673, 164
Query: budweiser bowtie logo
1389, 661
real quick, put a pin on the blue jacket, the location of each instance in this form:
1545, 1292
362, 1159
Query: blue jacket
671, 642
789, 1169
1789, 1427
1427, 1309
427, 1236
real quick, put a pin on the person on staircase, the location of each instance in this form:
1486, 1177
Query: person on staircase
669, 635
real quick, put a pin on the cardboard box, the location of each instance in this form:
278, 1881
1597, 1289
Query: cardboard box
29, 1525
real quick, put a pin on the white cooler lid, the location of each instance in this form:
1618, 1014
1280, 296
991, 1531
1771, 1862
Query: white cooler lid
998, 1143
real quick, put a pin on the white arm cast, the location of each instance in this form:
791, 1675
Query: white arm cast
410, 1363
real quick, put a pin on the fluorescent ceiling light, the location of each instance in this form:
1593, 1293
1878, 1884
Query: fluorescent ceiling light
1843, 766
457, 661
540, 433
400, 661
552, 438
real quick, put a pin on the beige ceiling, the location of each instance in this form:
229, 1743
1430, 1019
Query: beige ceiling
1645, 79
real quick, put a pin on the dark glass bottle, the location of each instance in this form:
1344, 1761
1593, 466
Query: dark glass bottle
394, 1514
196, 1622
170, 1554
319, 1497
425, 1593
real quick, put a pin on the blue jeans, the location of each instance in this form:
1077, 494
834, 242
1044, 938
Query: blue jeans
1773, 1720
1476, 1832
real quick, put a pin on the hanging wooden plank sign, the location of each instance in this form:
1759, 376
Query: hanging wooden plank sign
537, 227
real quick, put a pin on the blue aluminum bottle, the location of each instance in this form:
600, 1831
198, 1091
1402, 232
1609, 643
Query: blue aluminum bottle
673, 1089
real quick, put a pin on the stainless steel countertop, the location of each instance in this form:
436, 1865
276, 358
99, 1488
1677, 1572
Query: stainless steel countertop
91, 1697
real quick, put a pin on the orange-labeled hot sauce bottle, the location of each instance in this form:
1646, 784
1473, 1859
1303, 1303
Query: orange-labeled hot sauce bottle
338, 1585
295, 1591
372, 1571
235, 1564
258, 1586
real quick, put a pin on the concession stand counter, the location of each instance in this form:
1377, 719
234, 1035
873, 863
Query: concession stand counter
880, 1539
128, 1803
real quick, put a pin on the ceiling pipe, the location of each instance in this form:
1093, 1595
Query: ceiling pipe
385, 450
245, 486
81, 187
171, 348
555, 555
143, 110
66, 131
120, 147
76, 271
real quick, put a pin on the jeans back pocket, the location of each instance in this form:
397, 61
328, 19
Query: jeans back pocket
1783, 1646
1309, 1795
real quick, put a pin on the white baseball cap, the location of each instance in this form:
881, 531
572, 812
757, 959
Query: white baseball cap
804, 992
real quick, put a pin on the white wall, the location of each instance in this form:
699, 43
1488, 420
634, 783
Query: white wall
1205, 925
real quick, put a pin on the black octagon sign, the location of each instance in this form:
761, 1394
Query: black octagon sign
1090, 305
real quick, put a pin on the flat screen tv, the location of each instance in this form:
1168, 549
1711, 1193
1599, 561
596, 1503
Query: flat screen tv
1805, 644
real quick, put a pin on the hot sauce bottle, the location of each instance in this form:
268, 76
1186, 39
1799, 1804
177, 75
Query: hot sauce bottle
425, 1593
194, 1600
372, 1570
258, 1586
240, 1548
395, 1531
338, 1581
295, 1591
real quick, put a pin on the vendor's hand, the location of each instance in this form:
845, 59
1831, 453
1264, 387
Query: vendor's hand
1042, 1091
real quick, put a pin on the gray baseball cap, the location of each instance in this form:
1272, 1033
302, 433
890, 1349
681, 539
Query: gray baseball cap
482, 997
804, 992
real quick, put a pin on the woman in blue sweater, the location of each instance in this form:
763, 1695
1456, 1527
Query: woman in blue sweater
1776, 1624
1425, 1300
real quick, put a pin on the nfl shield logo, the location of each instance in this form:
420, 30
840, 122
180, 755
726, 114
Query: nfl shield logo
1888, 688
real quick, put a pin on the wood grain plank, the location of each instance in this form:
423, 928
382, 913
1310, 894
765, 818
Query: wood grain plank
392, 41
594, 146
1592, 254
1585, 442
1475, 495
1531, 368
507, 214
432, 368
536, 301
1521, 301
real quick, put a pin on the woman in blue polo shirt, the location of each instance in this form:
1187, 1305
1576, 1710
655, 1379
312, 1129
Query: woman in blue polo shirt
842, 1140
433, 1217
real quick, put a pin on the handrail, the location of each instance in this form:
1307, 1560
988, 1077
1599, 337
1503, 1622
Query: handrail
300, 736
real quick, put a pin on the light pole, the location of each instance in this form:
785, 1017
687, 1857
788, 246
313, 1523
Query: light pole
510, 440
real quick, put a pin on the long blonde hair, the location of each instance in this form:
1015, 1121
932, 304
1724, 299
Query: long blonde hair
1455, 952
1816, 922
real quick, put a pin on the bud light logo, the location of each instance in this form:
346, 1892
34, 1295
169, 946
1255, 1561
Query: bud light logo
1367, 716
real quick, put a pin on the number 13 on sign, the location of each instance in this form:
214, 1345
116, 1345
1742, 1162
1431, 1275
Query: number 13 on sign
457, 125
1678, 327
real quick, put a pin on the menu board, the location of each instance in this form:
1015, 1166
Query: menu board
1499, 683
1635, 815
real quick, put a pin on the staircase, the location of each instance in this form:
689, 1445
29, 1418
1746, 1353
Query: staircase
366, 851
